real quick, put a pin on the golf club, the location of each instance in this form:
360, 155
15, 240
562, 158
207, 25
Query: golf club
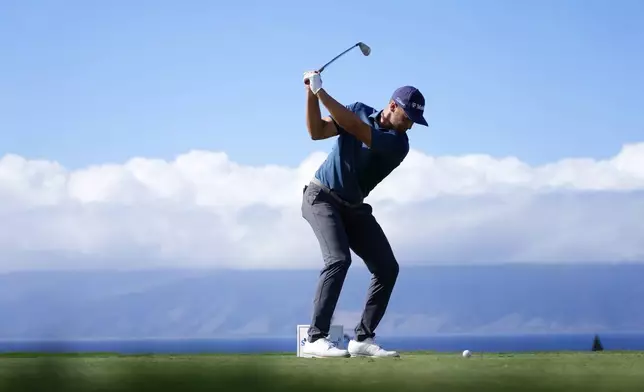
364, 48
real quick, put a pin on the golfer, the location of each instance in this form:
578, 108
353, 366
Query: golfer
370, 145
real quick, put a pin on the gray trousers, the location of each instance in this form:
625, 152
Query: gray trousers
339, 228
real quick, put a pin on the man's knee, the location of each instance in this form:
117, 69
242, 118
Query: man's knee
395, 269
388, 272
392, 271
337, 262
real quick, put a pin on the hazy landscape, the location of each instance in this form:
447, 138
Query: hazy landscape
228, 303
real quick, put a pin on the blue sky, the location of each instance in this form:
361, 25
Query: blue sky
88, 83
131, 107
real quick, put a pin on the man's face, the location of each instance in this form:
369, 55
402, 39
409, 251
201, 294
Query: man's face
399, 119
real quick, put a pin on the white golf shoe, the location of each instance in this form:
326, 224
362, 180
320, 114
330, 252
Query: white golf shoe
323, 348
369, 348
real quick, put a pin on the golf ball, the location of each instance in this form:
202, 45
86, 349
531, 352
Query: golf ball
467, 354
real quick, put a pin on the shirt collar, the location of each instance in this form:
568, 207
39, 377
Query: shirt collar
374, 117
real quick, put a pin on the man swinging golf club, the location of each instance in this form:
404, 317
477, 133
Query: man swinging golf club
369, 146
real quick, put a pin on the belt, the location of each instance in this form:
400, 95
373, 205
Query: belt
334, 194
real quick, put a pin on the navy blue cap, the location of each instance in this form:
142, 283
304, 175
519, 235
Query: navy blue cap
413, 103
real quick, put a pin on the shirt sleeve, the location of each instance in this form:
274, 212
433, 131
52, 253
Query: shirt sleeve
389, 143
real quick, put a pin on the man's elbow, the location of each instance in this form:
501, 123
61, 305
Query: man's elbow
324, 130
315, 133
314, 128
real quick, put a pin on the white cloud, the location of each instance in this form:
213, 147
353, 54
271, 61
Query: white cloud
201, 209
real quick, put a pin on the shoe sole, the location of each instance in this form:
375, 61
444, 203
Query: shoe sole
373, 356
305, 355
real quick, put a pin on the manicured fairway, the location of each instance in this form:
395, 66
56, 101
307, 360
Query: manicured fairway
588, 371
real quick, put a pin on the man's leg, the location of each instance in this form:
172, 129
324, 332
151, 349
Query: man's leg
369, 242
323, 214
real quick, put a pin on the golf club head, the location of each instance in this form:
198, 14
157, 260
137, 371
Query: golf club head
364, 48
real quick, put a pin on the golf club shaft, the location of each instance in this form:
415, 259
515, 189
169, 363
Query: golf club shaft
335, 58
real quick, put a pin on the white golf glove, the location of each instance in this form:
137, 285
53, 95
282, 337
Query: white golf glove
313, 79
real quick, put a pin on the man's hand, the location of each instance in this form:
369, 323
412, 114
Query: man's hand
313, 80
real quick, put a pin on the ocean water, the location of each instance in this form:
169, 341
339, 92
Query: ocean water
440, 343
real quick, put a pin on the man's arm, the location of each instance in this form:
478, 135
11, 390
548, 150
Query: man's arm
319, 128
345, 118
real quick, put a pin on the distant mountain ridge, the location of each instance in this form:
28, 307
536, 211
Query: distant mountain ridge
224, 303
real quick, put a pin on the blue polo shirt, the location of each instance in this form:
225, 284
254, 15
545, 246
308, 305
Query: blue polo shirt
352, 169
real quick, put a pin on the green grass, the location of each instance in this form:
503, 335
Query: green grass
417, 371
